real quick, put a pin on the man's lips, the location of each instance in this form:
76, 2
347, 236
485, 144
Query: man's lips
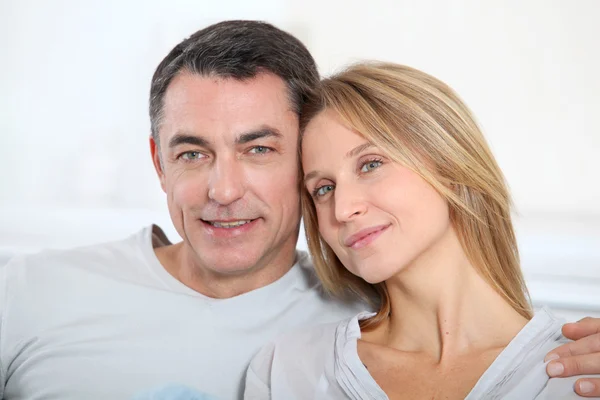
230, 228
364, 236
228, 223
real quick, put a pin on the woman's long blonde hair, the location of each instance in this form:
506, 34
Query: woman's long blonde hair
419, 122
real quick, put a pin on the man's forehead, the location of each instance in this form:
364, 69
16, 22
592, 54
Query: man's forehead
209, 89
212, 106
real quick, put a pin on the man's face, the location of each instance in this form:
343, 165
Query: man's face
230, 169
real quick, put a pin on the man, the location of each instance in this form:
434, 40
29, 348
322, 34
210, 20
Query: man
113, 320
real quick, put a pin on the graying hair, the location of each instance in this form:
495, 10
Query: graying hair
239, 50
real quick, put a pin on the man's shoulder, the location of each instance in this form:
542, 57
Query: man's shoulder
317, 339
290, 351
34, 286
300, 358
54, 261
524, 374
309, 336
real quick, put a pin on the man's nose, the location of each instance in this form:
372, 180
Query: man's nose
226, 181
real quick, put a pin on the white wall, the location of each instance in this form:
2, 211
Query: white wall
74, 161
77, 76
528, 69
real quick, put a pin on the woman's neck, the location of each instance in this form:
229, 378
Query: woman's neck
441, 306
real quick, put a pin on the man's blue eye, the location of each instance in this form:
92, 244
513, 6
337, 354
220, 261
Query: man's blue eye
191, 155
260, 150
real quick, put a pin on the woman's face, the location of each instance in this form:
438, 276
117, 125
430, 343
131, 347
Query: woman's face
378, 216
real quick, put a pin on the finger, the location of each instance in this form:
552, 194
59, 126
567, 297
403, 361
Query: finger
577, 365
587, 345
584, 327
588, 387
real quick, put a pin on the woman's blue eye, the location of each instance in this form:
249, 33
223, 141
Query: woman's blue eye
371, 165
323, 190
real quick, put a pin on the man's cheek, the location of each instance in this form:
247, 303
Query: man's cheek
290, 176
188, 192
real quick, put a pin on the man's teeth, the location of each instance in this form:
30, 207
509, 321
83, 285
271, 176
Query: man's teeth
234, 224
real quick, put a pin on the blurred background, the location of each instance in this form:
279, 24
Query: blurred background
74, 158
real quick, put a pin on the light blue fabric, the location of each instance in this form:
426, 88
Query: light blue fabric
129, 322
323, 363
173, 392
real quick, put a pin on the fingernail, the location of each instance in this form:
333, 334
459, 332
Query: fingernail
555, 369
586, 387
551, 357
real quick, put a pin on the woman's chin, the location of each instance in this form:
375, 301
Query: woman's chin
374, 274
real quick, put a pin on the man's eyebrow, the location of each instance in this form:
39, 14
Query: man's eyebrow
358, 149
258, 134
183, 138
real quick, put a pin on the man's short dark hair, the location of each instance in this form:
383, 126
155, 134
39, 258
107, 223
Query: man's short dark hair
239, 50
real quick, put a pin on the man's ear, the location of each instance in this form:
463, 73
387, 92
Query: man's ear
156, 160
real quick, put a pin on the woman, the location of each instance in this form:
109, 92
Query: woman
405, 203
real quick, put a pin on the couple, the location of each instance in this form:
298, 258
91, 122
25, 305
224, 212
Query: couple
118, 319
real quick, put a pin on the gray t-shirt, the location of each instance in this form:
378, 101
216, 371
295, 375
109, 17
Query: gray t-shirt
323, 363
109, 322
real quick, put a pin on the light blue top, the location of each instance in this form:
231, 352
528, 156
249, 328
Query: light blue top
323, 363
109, 322
173, 392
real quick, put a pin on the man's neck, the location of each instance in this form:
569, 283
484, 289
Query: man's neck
182, 264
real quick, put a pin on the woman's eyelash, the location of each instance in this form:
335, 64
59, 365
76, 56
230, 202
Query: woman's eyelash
315, 191
377, 160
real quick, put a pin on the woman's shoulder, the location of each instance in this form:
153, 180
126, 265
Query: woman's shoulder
524, 371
